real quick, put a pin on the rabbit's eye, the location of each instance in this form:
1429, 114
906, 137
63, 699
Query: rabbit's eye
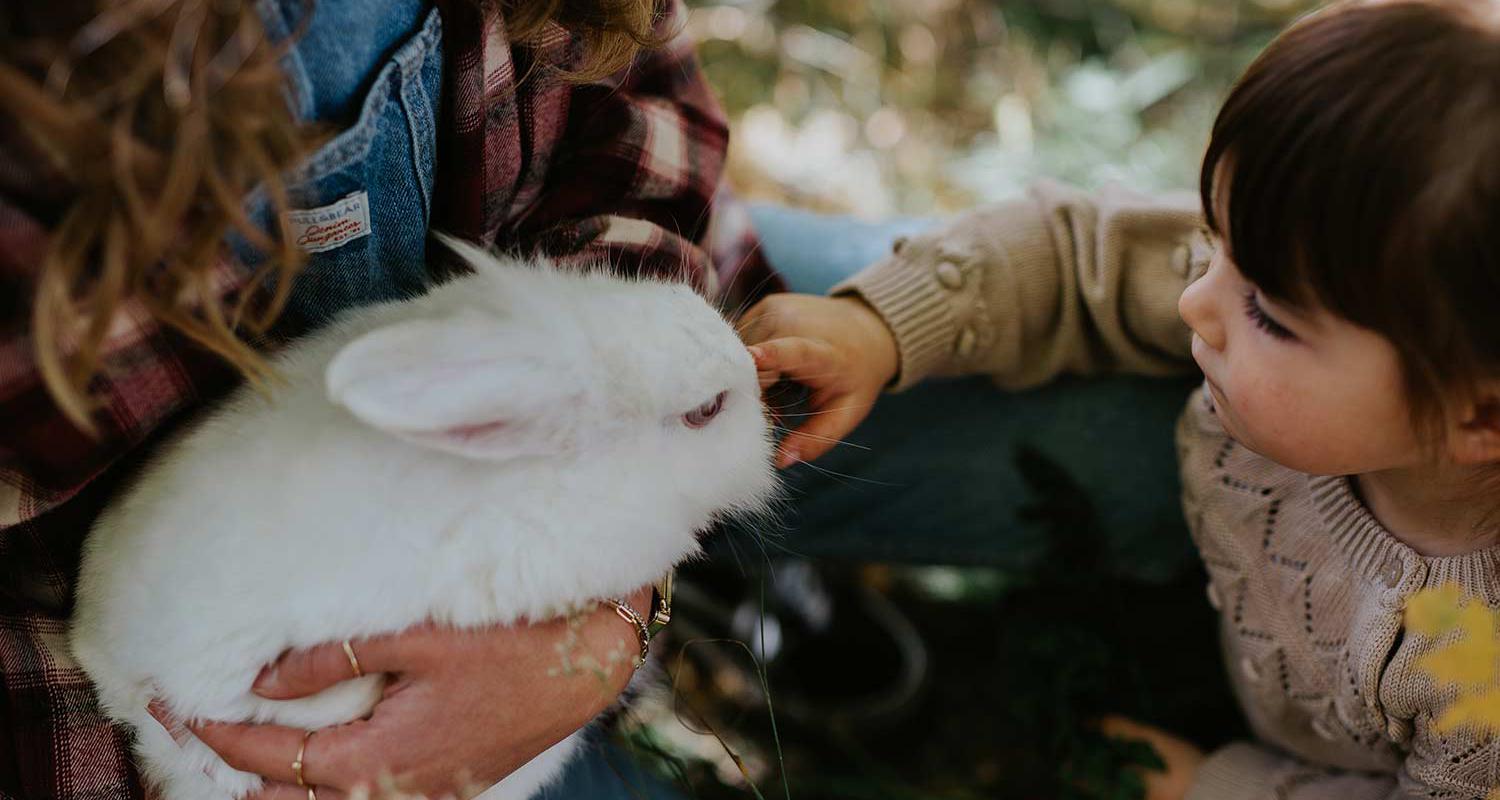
704, 414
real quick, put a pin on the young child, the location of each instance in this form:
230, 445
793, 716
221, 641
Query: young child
1343, 451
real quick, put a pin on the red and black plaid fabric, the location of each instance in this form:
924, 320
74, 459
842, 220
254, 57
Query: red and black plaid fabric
623, 170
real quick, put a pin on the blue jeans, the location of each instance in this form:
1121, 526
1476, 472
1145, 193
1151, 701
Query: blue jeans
940, 483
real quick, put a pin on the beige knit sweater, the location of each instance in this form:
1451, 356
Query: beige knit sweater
1310, 587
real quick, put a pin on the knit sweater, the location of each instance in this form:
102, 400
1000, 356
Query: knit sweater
1309, 586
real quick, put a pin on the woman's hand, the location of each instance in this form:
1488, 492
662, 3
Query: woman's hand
836, 346
1182, 758
460, 709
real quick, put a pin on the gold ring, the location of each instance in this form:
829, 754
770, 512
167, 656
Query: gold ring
353, 660
297, 765
311, 795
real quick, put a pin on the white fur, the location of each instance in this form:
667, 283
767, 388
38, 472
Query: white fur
509, 445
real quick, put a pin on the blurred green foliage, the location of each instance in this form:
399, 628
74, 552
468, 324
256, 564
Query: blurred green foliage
928, 106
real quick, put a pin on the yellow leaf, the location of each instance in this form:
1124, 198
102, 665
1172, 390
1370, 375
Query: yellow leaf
1470, 663
1476, 621
1479, 710
1433, 612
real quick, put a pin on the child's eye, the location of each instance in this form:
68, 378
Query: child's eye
1263, 320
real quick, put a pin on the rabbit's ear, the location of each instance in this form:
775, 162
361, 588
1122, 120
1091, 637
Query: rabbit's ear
466, 385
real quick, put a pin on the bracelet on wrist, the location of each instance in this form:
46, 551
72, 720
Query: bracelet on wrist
625, 612
647, 627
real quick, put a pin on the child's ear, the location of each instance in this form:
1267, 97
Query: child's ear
1476, 440
465, 384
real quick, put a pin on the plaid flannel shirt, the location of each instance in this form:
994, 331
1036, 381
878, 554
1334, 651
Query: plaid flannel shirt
623, 171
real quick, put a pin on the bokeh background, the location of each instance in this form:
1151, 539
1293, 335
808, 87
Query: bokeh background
928, 106
921, 108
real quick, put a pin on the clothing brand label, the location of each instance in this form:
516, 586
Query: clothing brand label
335, 225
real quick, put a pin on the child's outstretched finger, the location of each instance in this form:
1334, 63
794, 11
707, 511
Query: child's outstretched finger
837, 404
812, 362
751, 325
826, 427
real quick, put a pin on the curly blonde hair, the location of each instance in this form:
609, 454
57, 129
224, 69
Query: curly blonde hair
156, 118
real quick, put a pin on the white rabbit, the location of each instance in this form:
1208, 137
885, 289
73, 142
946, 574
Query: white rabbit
515, 443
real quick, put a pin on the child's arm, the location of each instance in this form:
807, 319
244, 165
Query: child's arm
1060, 281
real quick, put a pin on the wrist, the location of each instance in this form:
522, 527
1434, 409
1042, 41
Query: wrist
879, 349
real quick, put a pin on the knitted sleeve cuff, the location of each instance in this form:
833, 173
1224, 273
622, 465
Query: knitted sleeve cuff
912, 304
1239, 771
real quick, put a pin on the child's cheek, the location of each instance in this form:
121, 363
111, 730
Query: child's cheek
1276, 422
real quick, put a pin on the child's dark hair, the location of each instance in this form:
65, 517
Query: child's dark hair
1359, 161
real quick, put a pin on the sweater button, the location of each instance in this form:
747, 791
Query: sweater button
1213, 596
1393, 572
950, 276
1251, 672
1182, 260
898, 244
967, 341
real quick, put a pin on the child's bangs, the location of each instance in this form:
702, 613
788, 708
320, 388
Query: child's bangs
1340, 175
1306, 175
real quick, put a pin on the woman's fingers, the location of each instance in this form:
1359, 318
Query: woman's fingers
331, 757
290, 791
302, 673
476, 701
169, 722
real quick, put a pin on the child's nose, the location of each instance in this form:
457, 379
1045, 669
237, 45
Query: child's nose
1199, 309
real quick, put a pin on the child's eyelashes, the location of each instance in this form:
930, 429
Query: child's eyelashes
1263, 320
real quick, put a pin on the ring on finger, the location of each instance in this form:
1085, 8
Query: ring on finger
297, 766
353, 659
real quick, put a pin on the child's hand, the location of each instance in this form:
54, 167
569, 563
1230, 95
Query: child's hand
838, 347
1181, 757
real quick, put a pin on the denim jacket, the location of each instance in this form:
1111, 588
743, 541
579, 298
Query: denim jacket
373, 71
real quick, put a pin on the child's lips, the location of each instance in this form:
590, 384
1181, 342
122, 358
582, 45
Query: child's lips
1215, 396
